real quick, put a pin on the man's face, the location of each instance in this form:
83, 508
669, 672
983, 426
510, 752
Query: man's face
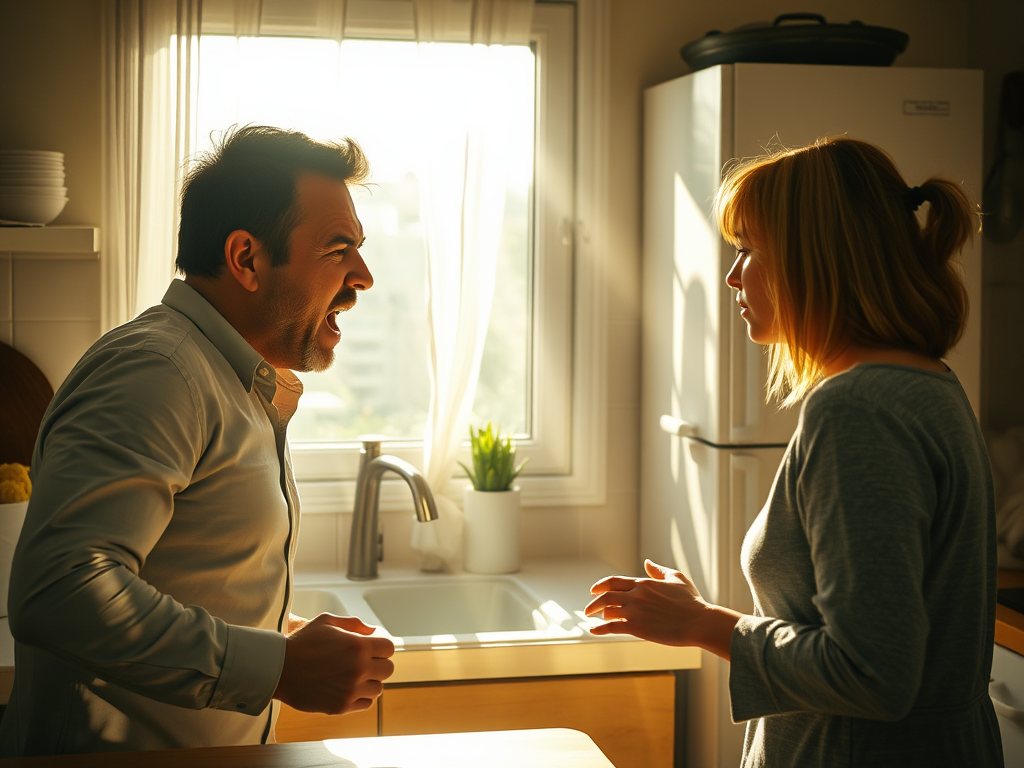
324, 271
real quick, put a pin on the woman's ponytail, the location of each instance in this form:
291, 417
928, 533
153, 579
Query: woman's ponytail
950, 222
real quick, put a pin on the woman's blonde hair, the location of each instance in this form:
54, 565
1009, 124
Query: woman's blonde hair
848, 262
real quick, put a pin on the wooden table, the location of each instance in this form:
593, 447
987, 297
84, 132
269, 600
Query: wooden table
541, 748
1009, 623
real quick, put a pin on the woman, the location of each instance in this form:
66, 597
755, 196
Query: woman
872, 565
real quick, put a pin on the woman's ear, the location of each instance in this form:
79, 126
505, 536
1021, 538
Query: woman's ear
240, 252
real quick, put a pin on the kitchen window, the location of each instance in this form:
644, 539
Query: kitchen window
364, 88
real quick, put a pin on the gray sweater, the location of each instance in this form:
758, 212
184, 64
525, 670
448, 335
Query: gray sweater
873, 569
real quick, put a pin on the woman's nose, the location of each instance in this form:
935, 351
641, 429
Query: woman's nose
359, 276
733, 278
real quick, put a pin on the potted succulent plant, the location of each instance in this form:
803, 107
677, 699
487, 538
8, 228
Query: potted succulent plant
491, 504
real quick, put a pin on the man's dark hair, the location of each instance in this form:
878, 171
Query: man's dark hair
248, 182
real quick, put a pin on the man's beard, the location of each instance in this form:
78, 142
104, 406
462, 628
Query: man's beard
296, 331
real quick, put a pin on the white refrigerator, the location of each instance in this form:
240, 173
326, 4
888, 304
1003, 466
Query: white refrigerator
710, 445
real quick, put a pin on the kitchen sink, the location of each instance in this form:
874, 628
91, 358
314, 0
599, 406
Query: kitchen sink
310, 603
441, 610
457, 608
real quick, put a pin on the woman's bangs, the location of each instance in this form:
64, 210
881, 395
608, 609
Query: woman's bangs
734, 210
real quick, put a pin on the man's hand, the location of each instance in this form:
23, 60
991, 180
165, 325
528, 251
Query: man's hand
295, 623
332, 665
666, 608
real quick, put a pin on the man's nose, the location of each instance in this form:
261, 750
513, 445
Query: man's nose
359, 276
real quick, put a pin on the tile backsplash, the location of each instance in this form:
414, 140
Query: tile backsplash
50, 296
6, 300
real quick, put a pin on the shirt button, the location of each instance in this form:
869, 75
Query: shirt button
240, 705
264, 371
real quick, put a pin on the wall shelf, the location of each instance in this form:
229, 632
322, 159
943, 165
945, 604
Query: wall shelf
50, 240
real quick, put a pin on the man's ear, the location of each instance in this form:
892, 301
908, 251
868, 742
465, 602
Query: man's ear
241, 250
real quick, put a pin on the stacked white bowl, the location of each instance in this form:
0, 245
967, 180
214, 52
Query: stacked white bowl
32, 187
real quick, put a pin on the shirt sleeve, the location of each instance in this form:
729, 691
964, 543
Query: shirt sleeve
865, 494
112, 452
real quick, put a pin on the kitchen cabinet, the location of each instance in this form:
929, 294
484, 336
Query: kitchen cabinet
294, 725
631, 717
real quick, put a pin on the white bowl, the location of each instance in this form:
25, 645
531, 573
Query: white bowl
32, 181
41, 164
22, 158
30, 209
19, 160
40, 191
31, 154
31, 171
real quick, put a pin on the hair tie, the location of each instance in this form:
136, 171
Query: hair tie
914, 197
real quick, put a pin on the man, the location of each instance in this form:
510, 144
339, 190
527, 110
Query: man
150, 588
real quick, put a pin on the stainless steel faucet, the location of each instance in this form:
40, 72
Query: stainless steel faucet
364, 543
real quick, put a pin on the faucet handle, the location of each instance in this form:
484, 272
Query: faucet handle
371, 444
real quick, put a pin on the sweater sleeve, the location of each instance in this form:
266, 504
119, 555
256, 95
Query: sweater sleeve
111, 455
864, 493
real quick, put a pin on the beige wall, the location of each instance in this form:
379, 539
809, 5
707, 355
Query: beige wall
50, 91
53, 102
997, 37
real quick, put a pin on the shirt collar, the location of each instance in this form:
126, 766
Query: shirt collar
247, 363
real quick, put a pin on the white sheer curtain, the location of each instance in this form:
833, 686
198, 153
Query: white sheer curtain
150, 84
462, 179
151, 70
150, 73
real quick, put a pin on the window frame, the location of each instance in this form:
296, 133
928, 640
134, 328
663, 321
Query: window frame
566, 445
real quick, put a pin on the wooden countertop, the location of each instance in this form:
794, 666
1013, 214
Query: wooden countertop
563, 583
541, 748
1010, 623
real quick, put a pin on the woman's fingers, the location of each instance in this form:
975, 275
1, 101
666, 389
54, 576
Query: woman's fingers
654, 570
607, 612
601, 603
663, 572
665, 608
613, 584
610, 628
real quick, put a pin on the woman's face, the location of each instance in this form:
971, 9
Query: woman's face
749, 276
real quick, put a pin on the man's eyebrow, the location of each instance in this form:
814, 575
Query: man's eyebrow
344, 240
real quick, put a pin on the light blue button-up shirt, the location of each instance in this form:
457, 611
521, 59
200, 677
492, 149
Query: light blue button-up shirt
152, 580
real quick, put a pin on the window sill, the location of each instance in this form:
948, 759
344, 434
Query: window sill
329, 497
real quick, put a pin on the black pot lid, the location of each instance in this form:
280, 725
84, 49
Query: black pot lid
817, 42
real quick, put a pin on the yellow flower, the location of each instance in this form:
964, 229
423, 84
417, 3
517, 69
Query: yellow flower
15, 484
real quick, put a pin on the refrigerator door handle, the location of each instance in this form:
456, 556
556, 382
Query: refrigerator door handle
678, 427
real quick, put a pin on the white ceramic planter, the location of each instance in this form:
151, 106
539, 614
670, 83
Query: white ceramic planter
490, 529
12, 517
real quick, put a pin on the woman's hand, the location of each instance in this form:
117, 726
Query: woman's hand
665, 609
